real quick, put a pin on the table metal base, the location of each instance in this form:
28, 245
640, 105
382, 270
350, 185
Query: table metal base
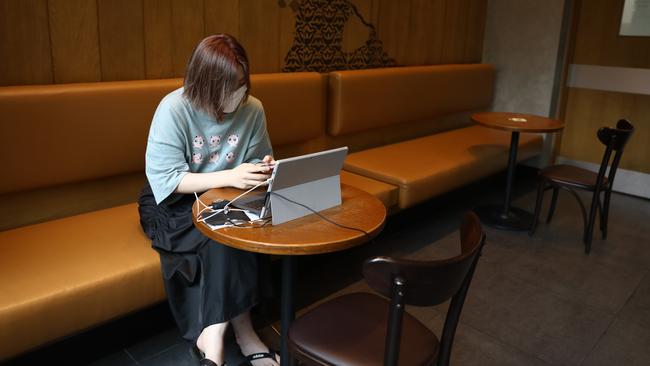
287, 313
516, 219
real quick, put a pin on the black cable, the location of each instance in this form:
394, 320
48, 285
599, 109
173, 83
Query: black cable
321, 216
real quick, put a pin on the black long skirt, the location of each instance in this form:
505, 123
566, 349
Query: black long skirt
206, 282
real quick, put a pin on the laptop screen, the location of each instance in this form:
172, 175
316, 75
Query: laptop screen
297, 179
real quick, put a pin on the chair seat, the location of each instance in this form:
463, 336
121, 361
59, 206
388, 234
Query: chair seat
572, 176
355, 331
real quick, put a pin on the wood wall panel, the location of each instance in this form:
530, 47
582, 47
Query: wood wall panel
588, 110
121, 39
75, 41
259, 24
425, 28
107, 40
25, 52
221, 16
158, 48
392, 29
598, 42
188, 30
455, 23
475, 31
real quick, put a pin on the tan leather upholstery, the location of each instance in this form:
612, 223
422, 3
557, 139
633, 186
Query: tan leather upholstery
294, 104
65, 275
432, 165
366, 99
68, 199
80, 147
55, 134
386, 193
65, 133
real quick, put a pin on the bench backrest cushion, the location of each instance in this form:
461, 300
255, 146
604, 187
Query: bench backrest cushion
56, 134
361, 100
294, 104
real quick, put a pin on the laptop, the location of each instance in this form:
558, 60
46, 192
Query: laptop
312, 180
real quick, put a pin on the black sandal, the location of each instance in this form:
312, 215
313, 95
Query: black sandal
199, 356
259, 355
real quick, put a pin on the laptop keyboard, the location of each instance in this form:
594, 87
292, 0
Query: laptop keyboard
257, 204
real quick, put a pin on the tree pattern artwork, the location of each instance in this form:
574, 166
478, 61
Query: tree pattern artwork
318, 41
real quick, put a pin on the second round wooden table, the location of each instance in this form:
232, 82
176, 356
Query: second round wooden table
504, 216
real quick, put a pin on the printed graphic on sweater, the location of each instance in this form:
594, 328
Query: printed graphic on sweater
233, 140
215, 141
198, 141
197, 158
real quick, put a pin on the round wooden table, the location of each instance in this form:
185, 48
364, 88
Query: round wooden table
303, 236
504, 216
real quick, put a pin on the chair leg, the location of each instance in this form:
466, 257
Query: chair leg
589, 228
601, 214
605, 214
538, 208
553, 203
584, 216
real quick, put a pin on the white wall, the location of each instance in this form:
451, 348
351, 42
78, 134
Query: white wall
521, 40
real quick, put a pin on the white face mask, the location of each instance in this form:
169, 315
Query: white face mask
232, 103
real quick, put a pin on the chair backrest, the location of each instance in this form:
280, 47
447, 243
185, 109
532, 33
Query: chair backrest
426, 283
615, 140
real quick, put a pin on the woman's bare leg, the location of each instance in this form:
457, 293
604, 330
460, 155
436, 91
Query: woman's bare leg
210, 342
249, 342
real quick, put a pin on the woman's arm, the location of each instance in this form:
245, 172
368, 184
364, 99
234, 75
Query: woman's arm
244, 176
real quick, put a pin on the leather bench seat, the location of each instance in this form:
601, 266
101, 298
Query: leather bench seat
90, 262
65, 275
417, 118
70, 273
386, 193
429, 166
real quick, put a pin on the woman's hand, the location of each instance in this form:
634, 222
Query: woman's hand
248, 175
268, 160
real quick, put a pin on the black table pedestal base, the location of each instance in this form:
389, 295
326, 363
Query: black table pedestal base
516, 219
287, 313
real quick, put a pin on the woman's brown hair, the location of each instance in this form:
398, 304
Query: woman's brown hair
212, 74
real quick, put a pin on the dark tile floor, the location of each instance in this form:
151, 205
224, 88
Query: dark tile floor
534, 300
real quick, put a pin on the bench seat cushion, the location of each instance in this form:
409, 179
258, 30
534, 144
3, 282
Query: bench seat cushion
386, 193
426, 167
66, 275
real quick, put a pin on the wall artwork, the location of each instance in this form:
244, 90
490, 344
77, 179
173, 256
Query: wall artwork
318, 40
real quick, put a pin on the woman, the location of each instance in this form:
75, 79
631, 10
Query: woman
210, 133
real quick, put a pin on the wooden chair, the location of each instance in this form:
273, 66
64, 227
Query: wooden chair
570, 178
366, 329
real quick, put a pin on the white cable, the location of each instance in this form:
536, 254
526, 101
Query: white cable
225, 208
200, 211
205, 208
